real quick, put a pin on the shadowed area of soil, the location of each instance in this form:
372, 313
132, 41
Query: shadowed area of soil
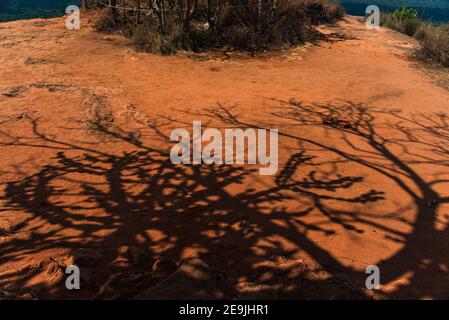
85, 125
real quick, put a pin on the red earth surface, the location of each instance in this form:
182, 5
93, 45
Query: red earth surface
84, 137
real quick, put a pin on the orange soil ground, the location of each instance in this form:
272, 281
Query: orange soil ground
84, 162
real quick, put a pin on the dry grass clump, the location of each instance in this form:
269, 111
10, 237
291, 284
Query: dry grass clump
434, 44
434, 39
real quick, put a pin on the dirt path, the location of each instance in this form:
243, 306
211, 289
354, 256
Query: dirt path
83, 134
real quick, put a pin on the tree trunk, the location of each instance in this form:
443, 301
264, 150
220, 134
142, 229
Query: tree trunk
259, 20
137, 7
113, 11
274, 8
209, 4
84, 5
186, 22
124, 11
158, 8
162, 10
194, 6
180, 10
218, 14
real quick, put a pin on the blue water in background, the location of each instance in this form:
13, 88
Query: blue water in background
425, 10
28, 9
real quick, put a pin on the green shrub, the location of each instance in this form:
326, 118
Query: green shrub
408, 26
405, 13
434, 39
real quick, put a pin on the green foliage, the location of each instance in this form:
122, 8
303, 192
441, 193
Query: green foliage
436, 11
405, 14
434, 39
408, 26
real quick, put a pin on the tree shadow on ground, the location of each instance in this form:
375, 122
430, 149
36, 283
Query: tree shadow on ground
261, 235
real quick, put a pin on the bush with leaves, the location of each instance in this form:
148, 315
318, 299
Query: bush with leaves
434, 39
405, 13
404, 20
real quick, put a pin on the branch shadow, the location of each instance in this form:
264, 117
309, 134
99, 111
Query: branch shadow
258, 235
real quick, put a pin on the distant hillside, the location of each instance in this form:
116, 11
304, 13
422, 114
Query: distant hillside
27, 9
434, 10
